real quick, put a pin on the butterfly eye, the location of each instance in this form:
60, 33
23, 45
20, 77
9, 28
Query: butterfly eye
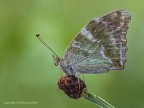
56, 64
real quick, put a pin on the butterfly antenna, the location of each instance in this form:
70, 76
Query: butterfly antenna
39, 37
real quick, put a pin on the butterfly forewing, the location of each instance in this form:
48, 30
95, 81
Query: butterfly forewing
101, 45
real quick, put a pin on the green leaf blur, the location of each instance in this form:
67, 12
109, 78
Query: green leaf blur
27, 72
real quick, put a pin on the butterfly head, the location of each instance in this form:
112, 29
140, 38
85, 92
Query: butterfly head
56, 60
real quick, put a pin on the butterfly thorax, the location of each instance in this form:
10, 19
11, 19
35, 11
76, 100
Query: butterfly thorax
67, 68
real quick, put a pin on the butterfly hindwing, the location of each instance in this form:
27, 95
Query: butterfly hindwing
101, 45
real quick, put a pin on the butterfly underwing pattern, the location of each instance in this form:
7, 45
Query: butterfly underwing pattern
99, 47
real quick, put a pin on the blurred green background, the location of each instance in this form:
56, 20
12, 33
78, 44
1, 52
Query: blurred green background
27, 72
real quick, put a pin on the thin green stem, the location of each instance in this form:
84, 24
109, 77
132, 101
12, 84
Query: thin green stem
97, 100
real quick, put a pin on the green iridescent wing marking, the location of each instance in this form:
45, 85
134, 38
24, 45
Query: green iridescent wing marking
101, 45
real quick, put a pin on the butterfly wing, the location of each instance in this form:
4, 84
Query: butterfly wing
101, 45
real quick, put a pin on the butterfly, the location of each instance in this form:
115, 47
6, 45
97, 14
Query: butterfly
99, 47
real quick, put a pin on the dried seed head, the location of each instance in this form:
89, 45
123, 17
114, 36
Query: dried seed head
72, 86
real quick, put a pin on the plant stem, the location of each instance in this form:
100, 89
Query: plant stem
97, 100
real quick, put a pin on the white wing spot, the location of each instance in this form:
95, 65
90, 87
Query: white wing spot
96, 19
122, 17
115, 14
88, 35
75, 44
103, 55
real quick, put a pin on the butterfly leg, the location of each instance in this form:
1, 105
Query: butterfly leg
78, 77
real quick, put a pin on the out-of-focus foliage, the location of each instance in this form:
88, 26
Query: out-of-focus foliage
27, 72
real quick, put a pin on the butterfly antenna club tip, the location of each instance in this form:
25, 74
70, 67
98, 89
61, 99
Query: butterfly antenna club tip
37, 35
